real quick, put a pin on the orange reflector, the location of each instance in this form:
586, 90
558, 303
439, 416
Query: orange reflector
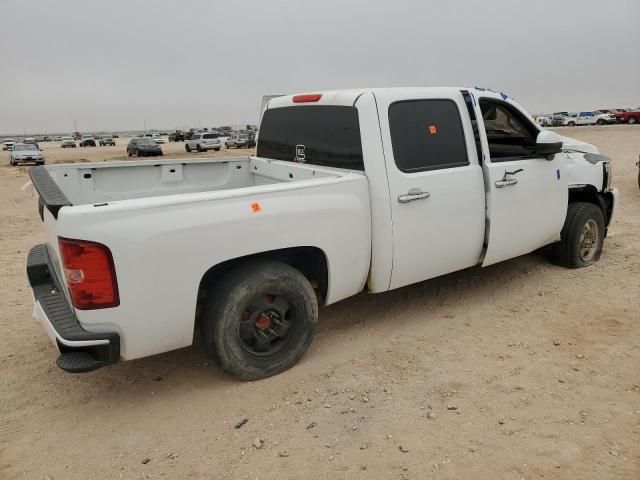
307, 97
432, 129
256, 207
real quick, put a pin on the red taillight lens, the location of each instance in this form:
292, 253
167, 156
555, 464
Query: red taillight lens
307, 97
90, 274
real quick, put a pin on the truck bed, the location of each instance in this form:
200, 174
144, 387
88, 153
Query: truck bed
91, 183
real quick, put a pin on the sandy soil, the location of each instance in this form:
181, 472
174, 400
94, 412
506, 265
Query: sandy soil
542, 365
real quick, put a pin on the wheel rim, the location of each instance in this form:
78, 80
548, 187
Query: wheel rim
589, 240
265, 325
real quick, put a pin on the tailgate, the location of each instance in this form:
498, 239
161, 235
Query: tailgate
51, 197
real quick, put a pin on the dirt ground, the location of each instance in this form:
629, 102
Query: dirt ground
521, 370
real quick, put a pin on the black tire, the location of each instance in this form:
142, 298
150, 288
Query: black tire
128, 152
187, 148
256, 291
568, 252
198, 148
217, 149
632, 120
600, 122
572, 124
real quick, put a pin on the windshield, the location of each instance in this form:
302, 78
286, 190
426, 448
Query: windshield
146, 141
17, 148
64, 139
210, 135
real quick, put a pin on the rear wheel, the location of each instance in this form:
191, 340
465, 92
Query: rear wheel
198, 148
572, 124
187, 147
600, 122
259, 320
633, 120
582, 236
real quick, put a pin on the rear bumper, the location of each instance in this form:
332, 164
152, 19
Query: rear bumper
59, 320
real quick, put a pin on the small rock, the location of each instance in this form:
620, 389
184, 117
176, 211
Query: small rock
431, 415
363, 467
311, 425
580, 356
560, 380
326, 405
146, 460
241, 423
354, 428
352, 397
365, 399
452, 407
257, 443
331, 457
283, 454
613, 452
156, 378
403, 449
556, 342
500, 422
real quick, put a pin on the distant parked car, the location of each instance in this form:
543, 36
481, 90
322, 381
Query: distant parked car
143, 147
632, 117
157, 138
87, 141
26, 153
176, 137
544, 120
68, 142
604, 118
31, 141
203, 141
241, 140
107, 140
8, 143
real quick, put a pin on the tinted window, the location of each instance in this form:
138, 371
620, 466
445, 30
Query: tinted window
509, 133
210, 135
195, 136
427, 135
325, 135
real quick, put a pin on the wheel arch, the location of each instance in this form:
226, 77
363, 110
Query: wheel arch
590, 194
312, 262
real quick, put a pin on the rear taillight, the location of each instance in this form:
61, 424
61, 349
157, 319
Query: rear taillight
91, 276
307, 97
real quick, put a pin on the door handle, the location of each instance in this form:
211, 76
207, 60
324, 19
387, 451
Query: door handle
506, 182
413, 195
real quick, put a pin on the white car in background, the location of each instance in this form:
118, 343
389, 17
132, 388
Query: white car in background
203, 141
68, 142
26, 153
588, 118
157, 138
8, 143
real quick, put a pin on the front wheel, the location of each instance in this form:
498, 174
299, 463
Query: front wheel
600, 122
582, 236
187, 148
572, 124
259, 320
633, 120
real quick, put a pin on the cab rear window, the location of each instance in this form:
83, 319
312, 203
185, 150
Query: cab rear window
323, 135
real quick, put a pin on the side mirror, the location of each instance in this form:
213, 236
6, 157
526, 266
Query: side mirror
548, 144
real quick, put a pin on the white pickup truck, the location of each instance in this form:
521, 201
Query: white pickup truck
357, 189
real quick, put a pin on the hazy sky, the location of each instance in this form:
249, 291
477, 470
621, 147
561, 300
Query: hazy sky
114, 64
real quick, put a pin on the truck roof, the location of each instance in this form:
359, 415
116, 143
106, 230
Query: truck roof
349, 96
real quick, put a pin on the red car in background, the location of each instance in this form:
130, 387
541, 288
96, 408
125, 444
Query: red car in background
628, 117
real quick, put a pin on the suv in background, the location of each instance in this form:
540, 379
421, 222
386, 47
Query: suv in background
8, 143
87, 141
107, 140
203, 141
176, 137
143, 147
68, 142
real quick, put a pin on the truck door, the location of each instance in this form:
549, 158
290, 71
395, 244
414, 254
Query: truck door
435, 182
527, 193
